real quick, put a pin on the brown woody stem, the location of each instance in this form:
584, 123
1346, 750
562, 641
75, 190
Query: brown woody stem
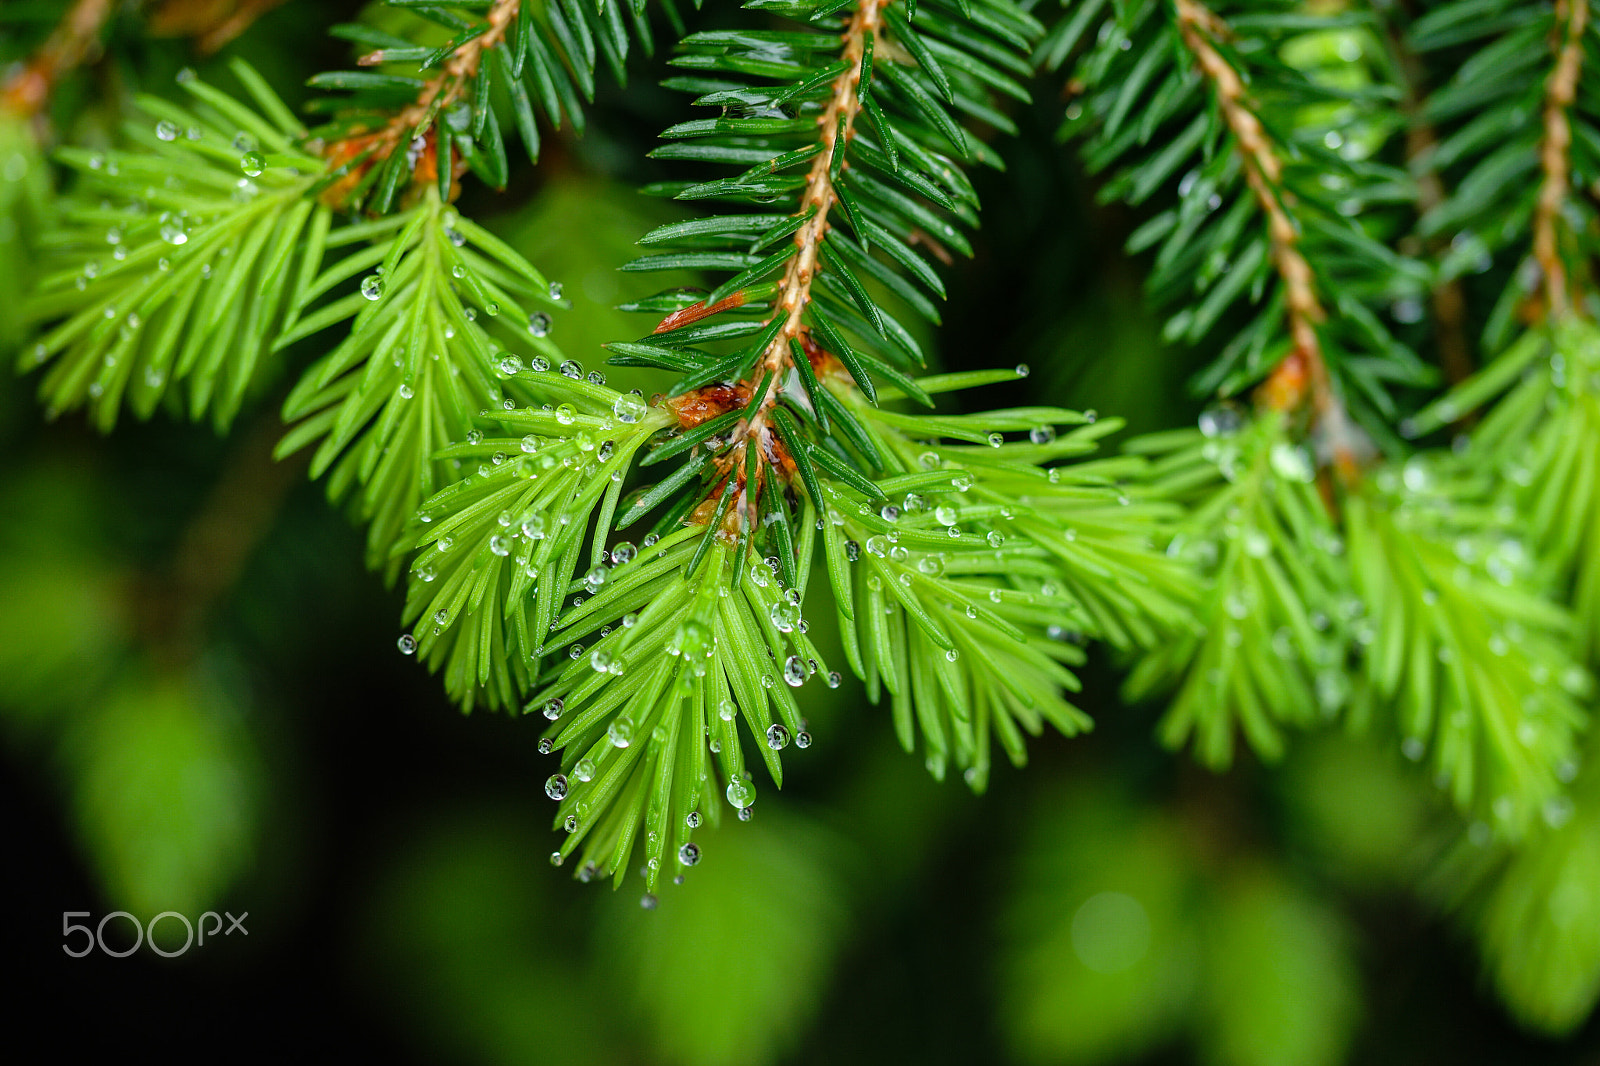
212, 23
1560, 90
1304, 368
438, 93
1448, 296
794, 291
73, 41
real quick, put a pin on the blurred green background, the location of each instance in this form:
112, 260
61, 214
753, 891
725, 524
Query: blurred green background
202, 708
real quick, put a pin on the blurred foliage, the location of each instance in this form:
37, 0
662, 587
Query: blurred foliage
163, 777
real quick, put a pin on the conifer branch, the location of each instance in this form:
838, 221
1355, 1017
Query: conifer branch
73, 41
455, 78
1304, 368
835, 124
1561, 90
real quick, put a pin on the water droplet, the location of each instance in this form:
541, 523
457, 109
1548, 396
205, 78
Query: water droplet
404, 391
689, 854
995, 538
252, 163
510, 364
546, 746
996, 439
566, 414
620, 732
499, 545
889, 513
408, 644
1413, 748
745, 814
1292, 462
601, 660
174, 234
167, 131
785, 616
1022, 370
372, 287
556, 787
1221, 420
628, 409
740, 793
571, 369
1041, 435
802, 739
794, 675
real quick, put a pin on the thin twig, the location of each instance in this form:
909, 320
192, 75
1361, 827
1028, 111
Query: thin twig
1560, 90
794, 291
212, 23
1304, 368
439, 92
73, 41
217, 543
1447, 297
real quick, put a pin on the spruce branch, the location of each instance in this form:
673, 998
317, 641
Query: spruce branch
1304, 367
1561, 90
1514, 149
1542, 440
176, 263
1542, 436
1534, 908
964, 565
641, 730
438, 329
835, 126
396, 133
1466, 643
1277, 612
1279, 195
501, 548
455, 79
